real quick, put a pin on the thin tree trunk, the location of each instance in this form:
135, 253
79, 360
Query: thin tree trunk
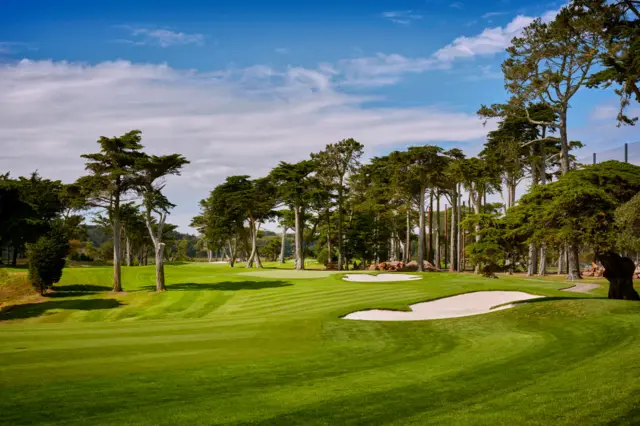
564, 144
283, 244
446, 230
542, 266
436, 228
561, 261
533, 259
460, 234
421, 237
340, 227
453, 239
117, 283
128, 249
477, 200
430, 246
407, 243
298, 239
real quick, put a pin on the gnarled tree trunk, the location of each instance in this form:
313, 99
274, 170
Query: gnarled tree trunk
619, 272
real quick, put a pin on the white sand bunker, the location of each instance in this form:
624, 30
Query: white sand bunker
462, 305
365, 278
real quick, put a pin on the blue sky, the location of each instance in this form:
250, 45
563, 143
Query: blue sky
238, 86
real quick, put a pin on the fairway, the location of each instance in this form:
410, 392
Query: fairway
222, 347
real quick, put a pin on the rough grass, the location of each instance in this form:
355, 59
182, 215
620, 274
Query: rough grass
222, 348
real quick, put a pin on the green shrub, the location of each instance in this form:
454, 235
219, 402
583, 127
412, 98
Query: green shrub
46, 259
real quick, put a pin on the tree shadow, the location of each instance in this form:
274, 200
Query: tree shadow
31, 310
225, 286
75, 290
556, 298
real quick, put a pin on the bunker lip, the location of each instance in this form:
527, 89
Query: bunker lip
380, 278
461, 305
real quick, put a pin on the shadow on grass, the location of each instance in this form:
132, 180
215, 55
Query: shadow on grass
75, 290
224, 286
556, 298
31, 310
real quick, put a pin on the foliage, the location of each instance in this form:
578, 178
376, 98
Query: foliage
627, 218
618, 23
579, 207
47, 258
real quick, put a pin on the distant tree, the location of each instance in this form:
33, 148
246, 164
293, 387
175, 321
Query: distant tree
47, 258
336, 162
296, 185
111, 176
151, 171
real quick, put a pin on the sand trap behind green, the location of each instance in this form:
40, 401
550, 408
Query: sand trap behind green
288, 274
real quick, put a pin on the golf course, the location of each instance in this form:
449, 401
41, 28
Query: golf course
230, 346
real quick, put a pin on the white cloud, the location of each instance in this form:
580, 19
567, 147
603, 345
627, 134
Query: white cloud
493, 14
402, 17
161, 37
456, 5
282, 50
228, 122
490, 41
9, 47
384, 69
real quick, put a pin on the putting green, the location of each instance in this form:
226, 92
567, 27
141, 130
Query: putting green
224, 348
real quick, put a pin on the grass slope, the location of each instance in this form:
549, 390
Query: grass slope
224, 348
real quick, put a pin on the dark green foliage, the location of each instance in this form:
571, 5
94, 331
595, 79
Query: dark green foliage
47, 258
627, 218
579, 207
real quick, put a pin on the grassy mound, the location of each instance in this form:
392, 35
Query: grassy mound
223, 348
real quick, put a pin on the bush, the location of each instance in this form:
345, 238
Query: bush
46, 259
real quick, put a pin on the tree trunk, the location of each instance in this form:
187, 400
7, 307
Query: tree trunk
436, 229
232, 253
283, 244
477, 201
340, 228
533, 259
453, 240
117, 283
561, 261
160, 286
298, 240
209, 256
430, 246
407, 244
542, 267
128, 249
14, 259
564, 143
421, 231
573, 263
459, 233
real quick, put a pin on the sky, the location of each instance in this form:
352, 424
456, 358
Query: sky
237, 87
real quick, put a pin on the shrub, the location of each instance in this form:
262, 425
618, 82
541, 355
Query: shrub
46, 259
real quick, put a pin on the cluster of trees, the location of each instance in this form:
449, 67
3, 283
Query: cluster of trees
369, 212
123, 183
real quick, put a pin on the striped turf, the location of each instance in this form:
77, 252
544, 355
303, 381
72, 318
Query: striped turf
225, 348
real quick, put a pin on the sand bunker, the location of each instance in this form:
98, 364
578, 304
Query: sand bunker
364, 278
462, 305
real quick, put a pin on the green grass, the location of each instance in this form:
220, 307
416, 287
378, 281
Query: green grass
224, 348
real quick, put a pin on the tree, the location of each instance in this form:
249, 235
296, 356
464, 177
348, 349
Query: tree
578, 209
296, 185
427, 170
549, 63
47, 258
260, 200
223, 215
111, 176
335, 162
151, 171
618, 23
